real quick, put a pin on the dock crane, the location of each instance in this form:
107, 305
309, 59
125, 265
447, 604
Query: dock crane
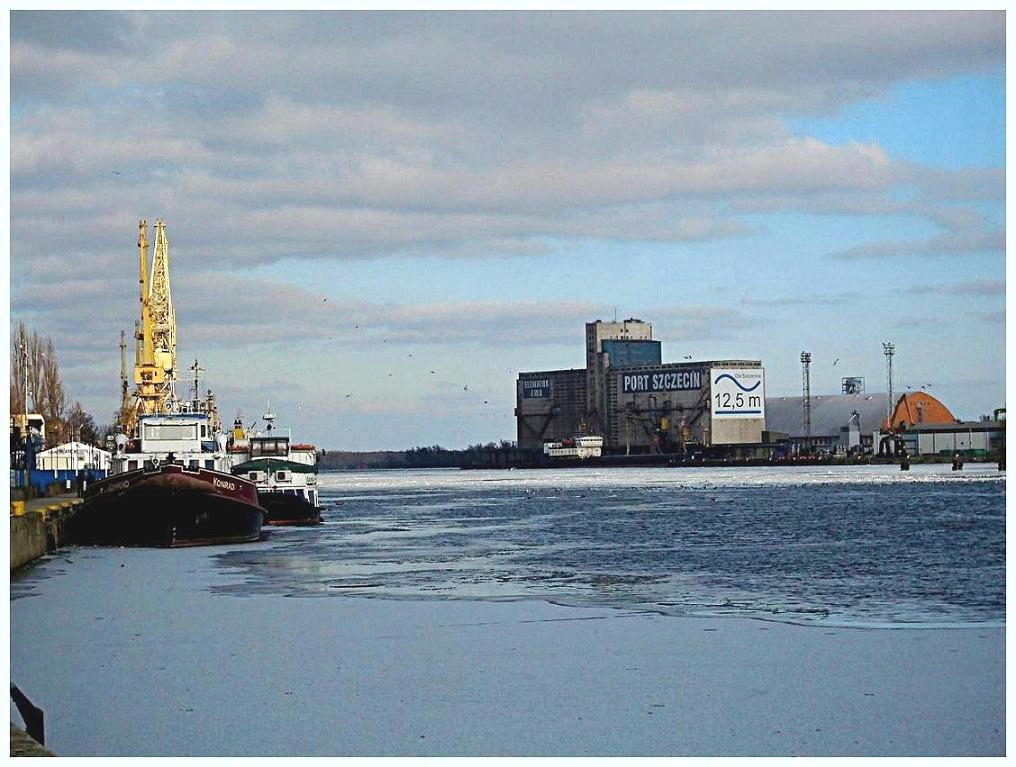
154, 335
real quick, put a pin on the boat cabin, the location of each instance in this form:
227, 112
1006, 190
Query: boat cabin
272, 446
184, 438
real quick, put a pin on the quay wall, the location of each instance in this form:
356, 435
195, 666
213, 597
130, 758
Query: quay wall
28, 539
38, 527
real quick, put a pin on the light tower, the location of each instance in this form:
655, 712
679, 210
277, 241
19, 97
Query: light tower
806, 386
889, 349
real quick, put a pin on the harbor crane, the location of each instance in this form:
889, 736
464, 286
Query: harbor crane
154, 334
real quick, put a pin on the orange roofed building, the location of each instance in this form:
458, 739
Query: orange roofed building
918, 408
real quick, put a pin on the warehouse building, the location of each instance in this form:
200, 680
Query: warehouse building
839, 423
858, 423
638, 403
966, 438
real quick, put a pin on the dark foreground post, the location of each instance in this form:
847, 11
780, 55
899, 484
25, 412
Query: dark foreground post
32, 715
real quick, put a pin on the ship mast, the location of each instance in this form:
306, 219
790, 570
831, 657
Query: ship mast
126, 409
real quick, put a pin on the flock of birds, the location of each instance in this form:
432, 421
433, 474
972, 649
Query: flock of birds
465, 387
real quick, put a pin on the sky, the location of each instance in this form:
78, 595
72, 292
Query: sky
376, 220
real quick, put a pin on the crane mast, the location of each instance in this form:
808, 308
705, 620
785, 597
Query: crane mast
155, 334
163, 316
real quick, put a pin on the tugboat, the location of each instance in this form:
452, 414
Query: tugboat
285, 475
169, 487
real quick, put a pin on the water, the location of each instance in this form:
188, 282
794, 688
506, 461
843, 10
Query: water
424, 618
836, 545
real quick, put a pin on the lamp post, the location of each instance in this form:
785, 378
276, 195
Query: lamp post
25, 434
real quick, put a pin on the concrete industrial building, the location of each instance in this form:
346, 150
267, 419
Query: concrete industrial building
638, 403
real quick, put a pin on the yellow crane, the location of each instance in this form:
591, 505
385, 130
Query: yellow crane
154, 334
161, 307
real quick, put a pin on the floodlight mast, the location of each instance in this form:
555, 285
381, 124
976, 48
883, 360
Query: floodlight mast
889, 349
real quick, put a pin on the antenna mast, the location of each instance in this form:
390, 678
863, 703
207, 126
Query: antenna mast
195, 398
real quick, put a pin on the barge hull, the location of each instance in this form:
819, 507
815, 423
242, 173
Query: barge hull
288, 510
168, 508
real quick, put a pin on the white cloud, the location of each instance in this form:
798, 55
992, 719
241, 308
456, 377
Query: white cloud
342, 137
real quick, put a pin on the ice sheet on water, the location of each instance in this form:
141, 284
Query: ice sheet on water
861, 544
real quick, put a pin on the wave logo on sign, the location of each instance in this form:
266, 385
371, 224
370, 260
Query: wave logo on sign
737, 393
737, 383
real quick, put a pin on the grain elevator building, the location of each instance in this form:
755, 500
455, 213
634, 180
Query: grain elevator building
638, 403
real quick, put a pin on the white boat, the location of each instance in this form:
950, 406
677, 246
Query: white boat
575, 447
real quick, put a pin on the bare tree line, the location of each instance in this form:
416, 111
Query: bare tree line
46, 394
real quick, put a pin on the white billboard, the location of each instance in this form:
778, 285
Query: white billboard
737, 392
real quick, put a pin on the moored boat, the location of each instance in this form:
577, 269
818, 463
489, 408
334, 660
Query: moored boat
169, 487
285, 475
579, 446
168, 505
169, 482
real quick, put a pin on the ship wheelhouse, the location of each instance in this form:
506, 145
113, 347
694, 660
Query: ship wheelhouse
183, 438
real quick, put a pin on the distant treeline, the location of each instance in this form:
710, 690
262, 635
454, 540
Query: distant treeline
434, 457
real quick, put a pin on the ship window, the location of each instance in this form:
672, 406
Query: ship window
193, 463
268, 446
170, 431
209, 464
204, 430
282, 476
132, 465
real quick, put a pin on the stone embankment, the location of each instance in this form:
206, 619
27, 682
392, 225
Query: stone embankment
37, 527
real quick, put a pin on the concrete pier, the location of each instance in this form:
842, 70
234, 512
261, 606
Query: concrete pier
37, 527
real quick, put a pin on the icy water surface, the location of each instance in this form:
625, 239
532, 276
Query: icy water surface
853, 545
